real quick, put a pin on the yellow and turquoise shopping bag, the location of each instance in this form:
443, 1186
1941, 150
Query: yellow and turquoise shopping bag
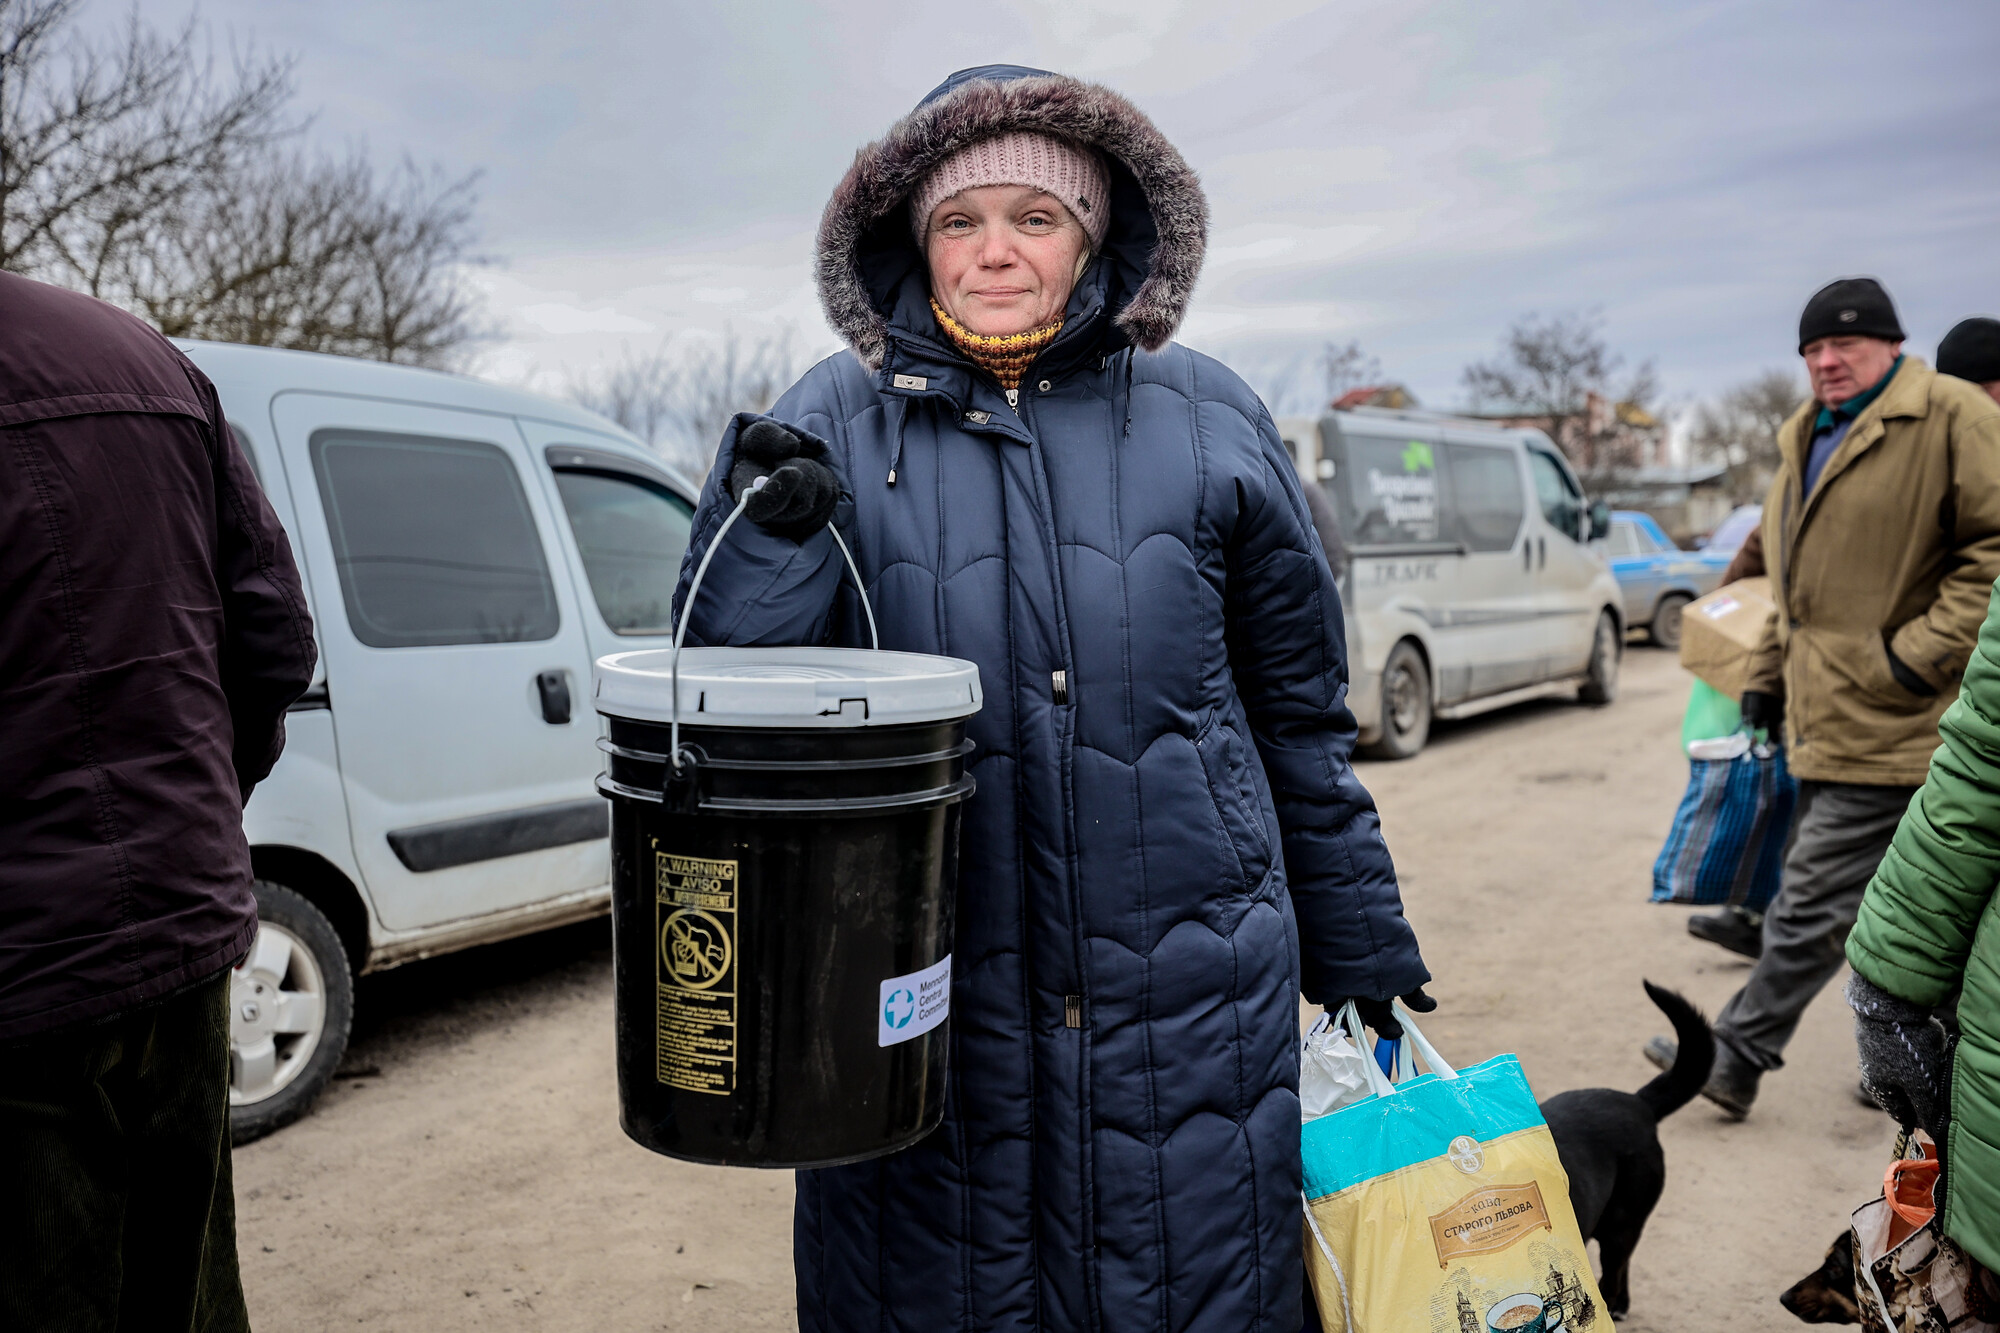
1439, 1205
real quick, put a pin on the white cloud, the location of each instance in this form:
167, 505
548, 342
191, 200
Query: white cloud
560, 319
1413, 173
630, 299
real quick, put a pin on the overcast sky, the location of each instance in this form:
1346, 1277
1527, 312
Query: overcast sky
1412, 174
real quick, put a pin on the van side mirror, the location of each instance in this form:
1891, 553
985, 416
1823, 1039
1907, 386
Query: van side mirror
1600, 521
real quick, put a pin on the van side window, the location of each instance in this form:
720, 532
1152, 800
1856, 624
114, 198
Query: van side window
1561, 505
433, 540
1393, 485
632, 534
1486, 494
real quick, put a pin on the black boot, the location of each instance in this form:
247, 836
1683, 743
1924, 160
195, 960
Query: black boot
1733, 928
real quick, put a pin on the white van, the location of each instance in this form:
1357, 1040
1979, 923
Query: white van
1472, 580
467, 551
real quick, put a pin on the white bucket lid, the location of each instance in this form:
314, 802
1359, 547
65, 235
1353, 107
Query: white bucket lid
787, 687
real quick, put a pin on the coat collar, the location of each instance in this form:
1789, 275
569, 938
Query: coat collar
1830, 416
1906, 397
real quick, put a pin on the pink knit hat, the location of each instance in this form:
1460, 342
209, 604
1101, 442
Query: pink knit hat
1075, 176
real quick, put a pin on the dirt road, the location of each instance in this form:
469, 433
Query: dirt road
470, 1174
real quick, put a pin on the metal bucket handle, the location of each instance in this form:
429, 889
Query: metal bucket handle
680, 631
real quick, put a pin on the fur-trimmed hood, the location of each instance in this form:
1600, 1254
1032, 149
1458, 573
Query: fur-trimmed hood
1159, 216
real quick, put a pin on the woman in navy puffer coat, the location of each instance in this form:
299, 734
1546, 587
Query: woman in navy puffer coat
1167, 844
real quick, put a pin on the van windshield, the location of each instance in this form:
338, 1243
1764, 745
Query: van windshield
1393, 485
631, 534
1736, 529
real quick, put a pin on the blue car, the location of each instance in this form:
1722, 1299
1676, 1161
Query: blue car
1658, 579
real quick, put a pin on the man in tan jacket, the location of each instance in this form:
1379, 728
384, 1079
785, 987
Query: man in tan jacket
1881, 533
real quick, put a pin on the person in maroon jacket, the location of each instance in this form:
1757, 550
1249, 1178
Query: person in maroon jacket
152, 634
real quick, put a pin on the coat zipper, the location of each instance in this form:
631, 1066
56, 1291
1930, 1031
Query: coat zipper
1072, 1012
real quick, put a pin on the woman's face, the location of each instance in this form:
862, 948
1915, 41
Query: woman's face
1003, 258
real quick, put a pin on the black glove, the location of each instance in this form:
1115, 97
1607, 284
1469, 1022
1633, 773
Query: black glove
1905, 1063
1907, 678
800, 495
1764, 712
1378, 1014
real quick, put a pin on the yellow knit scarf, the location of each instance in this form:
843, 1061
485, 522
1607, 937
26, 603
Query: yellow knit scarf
1007, 356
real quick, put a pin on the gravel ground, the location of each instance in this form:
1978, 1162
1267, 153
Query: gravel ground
466, 1171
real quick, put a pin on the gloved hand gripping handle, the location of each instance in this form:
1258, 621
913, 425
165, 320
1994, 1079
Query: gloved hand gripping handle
694, 589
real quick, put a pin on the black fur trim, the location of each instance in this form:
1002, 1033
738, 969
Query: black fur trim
885, 172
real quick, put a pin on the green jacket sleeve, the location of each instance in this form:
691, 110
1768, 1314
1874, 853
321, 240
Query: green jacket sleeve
1924, 904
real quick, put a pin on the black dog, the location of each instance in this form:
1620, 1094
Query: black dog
1609, 1142
1827, 1294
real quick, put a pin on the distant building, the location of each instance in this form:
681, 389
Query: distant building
1686, 501
1375, 395
1607, 439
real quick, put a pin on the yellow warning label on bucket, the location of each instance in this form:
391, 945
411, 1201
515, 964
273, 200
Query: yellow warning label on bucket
696, 972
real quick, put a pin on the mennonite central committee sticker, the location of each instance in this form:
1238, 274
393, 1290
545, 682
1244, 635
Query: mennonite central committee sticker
913, 1004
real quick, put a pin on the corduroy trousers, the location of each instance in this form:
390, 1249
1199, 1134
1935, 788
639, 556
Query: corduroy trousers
117, 1211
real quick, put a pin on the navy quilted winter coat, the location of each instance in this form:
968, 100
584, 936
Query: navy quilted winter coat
1167, 839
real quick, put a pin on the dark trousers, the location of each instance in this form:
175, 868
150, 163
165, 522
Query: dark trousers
116, 1206
1839, 835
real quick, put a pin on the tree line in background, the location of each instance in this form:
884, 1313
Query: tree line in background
139, 168
1739, 430
142, 171
679, 396
1560, 375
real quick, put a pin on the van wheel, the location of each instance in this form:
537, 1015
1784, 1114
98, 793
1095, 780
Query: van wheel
291, 1001
1666, 627
1406, 705
1600, 682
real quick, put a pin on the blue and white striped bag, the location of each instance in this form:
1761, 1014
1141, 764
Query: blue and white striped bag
1727, 843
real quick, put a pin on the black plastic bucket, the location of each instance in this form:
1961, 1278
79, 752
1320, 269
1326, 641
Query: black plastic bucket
784, 859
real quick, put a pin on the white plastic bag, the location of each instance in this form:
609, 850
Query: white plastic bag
1333, 1071
1733, 746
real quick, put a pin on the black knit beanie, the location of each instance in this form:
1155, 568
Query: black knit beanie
1849, 307
1971, 351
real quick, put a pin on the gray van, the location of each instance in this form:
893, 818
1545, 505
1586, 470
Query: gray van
1475, 572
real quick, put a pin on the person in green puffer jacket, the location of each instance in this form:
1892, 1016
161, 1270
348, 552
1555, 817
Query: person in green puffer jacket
1929, 930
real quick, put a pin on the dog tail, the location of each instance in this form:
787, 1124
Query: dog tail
1677, 1087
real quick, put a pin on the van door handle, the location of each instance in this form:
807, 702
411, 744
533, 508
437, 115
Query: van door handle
553, 687
1528, 555
1542, 552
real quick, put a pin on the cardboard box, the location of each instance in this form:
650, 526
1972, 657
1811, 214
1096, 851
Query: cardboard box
1719, 632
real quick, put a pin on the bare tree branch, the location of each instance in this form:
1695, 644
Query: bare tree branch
1348, 367
95, 140
1740, 430
138, 173
1313, 378
679, 397
1559, 372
